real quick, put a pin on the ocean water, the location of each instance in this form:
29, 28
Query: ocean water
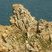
41, 9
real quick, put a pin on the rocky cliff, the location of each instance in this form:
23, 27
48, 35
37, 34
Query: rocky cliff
25, 33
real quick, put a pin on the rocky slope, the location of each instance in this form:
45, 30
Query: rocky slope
25, 33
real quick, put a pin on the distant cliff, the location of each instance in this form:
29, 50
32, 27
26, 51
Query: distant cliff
25, 33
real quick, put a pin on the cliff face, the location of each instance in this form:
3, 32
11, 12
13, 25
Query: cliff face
25, 34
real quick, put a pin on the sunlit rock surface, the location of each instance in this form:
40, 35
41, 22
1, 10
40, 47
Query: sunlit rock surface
25, 33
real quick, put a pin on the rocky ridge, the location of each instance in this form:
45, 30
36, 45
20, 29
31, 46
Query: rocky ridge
25, 33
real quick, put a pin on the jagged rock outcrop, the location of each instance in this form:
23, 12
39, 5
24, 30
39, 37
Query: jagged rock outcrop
25, 33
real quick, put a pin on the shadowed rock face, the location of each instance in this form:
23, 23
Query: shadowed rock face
25, 34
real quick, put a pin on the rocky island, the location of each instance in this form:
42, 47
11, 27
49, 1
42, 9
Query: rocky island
25, 33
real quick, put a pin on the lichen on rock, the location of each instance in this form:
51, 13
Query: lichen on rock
25, 33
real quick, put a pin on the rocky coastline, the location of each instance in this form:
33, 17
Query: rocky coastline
25, 33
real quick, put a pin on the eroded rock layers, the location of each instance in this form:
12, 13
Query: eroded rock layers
25, 34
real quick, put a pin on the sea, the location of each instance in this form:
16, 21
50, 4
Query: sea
41, 9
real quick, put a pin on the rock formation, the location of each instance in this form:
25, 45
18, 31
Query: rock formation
25, 33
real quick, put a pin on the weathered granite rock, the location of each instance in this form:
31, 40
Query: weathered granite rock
25, 33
